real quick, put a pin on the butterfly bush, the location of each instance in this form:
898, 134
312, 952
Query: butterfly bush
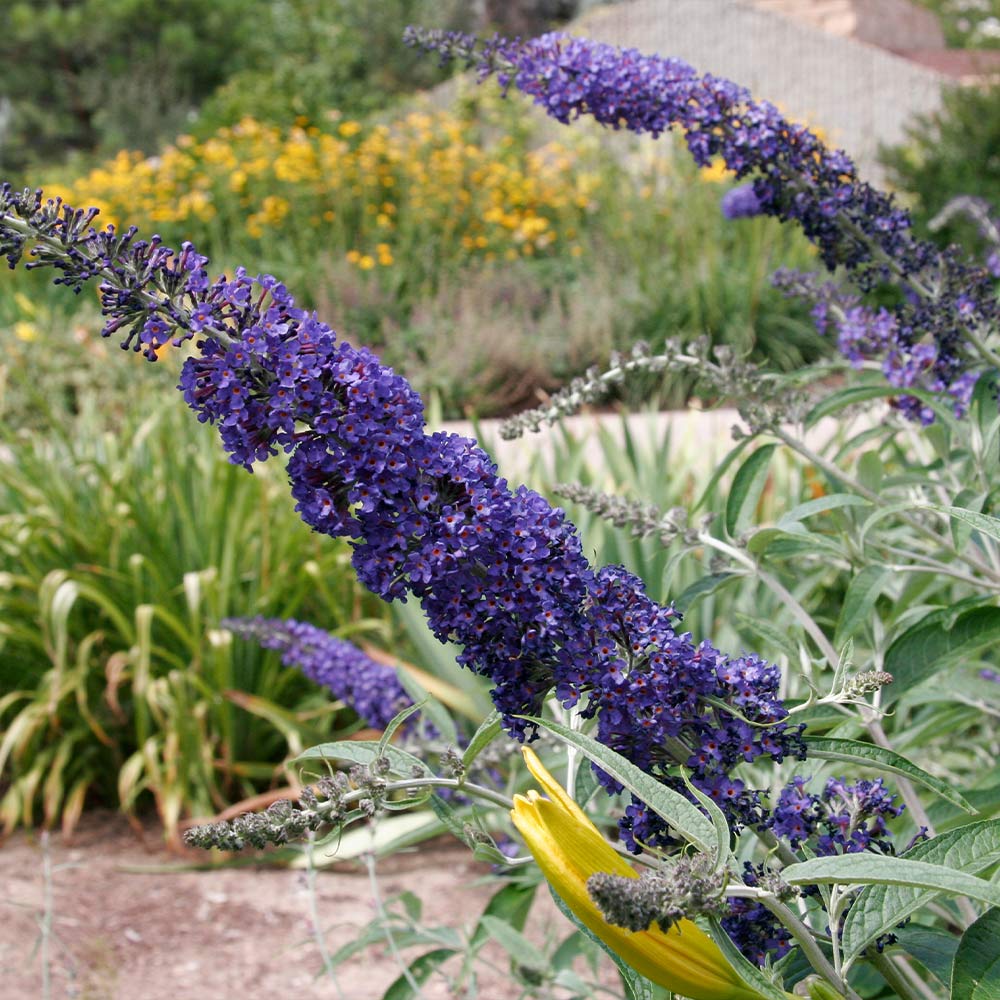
370, 688
496, 568
947, 306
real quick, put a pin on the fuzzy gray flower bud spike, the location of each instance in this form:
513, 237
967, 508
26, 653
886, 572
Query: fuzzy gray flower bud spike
689, 888
641, 519
719, 372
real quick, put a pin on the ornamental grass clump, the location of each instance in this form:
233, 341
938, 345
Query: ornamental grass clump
714, 762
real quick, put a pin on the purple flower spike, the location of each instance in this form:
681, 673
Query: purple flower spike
795, 178
499, 571
370, 688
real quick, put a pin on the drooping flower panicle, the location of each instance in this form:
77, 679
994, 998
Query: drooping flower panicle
371, 689
499, 571
950, 303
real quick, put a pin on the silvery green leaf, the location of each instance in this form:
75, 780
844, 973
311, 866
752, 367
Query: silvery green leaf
873, 869
683, 816
868, 755
976, 972
880, 908
748, 485
364, 752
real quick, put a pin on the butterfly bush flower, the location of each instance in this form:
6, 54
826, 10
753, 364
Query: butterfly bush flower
843, 819
370, 688
497, 570
741, 202
949, 307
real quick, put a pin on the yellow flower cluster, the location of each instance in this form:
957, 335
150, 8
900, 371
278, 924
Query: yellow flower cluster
427, 184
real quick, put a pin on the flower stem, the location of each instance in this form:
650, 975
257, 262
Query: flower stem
314, 919
810, 948
903, 986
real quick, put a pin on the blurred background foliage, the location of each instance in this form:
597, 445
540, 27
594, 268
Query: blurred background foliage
955, 151
968, 24
86, 76
488, 256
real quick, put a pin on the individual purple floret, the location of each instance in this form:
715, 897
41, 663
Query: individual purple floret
370, 688
741, 202
795, 178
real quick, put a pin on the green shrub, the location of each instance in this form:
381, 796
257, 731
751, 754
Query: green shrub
107, 73
968, 24
955, 151
307, 56
98, 75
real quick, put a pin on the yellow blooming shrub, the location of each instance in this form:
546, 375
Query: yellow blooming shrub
427, 188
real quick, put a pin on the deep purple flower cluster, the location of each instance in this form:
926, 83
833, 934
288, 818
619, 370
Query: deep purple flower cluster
798, 177
855, 817
648, 686
741, 202
499, 571
844, 819
909, 359
753, 928
370, 688
147, 290
795, 178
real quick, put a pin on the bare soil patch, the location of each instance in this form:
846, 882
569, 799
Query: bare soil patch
245, 933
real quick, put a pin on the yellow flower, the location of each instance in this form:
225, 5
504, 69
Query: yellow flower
26, 305
716, 172
569, 849
25, 331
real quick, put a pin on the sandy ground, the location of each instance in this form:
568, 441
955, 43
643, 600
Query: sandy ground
241, 933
